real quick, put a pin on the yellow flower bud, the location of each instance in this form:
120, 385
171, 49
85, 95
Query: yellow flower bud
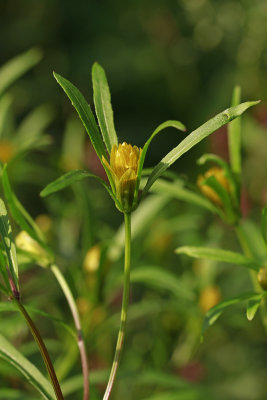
26, 243
218, 173
124, 161
262, 277
6, 151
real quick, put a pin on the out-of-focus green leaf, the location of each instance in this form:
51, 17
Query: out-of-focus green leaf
264, 224
5, 103
177, 190
18, 212
141, 218
4, 273
214, 313
168, 124
17, 66
10, 354
253, 306
162, 279
218, 255
69, 178
9, 245
234, 135
102, 101
4, 307
15, 394
85, 113
195, 137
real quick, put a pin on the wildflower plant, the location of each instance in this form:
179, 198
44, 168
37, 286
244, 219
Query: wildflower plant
123, 164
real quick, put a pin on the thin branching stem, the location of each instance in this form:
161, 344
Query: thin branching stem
70, 299
43, 350
124, 308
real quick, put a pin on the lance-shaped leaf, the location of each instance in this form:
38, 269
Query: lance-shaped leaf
217, 255
10, 354
85, 113
234, 136
102, 101
17, 66
195, 137
253, 306
214, 313
71, 177
9, 245
264, 224
173, 124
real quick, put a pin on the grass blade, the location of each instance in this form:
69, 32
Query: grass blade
102, 101
195, 137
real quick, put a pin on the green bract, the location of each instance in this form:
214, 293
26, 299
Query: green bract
125, 192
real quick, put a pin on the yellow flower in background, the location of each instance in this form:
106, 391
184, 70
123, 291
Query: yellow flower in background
124, 162
219, 175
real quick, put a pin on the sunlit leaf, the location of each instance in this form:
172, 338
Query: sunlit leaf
102, 101
195, 137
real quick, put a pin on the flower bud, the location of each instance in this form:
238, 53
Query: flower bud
262, 277
219, 175
124, 161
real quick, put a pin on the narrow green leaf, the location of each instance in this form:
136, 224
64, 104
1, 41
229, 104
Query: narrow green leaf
85, 113
10, 354
214, 313
264, 224
70, 178
195, 137
234, 135
253, 306
102, 101
9, 245
217, 255
162, 279
173, 124
17, 66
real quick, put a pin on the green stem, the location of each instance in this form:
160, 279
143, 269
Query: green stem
244, 243
70, 299
43, 350
124, 308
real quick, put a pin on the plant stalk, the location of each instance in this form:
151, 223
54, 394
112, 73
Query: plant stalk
70, 299
43, 349
124, 308
253, 274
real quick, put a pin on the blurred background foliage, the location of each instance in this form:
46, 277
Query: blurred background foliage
164, 60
